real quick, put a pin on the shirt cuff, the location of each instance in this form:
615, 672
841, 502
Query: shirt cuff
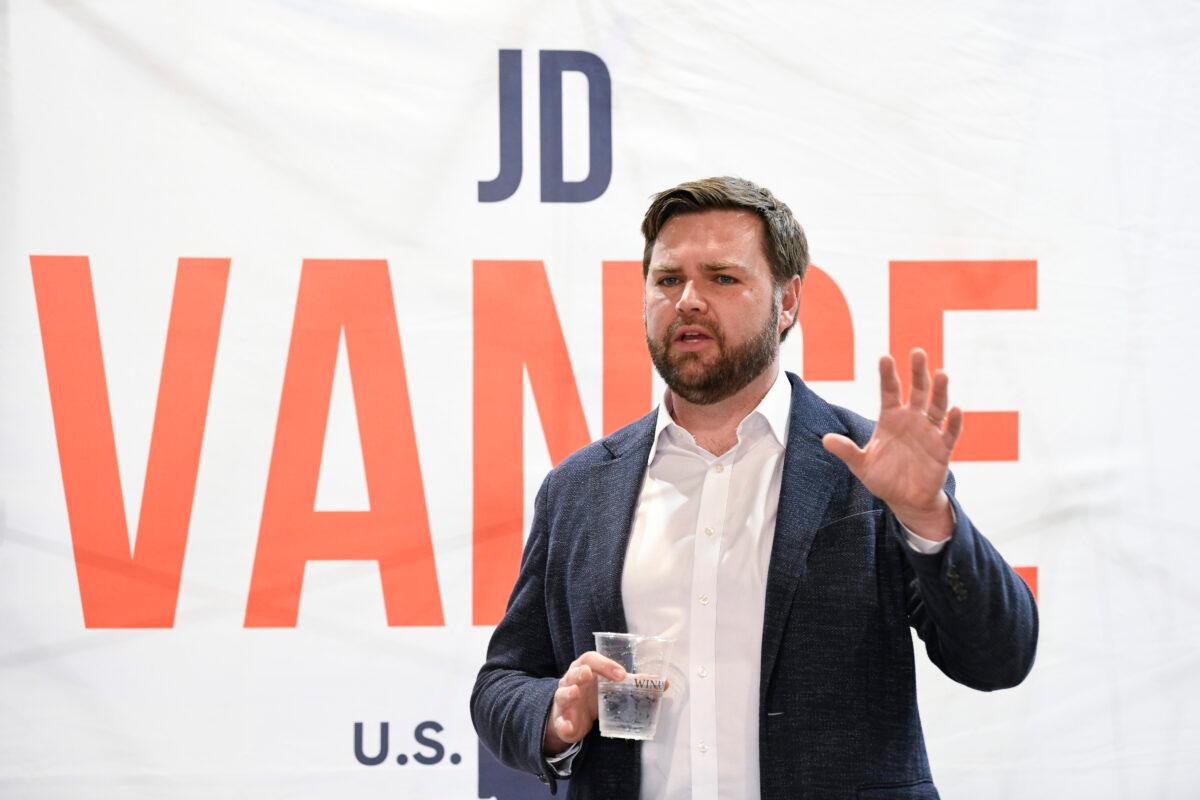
920, 543
561, 763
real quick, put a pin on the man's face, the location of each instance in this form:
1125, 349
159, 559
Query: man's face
713, 312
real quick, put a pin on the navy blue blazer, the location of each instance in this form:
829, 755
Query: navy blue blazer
837, 711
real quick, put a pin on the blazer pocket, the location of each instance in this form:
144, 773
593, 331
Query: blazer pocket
920, 790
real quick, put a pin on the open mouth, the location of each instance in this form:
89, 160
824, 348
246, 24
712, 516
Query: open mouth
692, 336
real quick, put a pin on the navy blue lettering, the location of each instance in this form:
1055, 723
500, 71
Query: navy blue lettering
363, 758
552, 64
505, 184
438, 750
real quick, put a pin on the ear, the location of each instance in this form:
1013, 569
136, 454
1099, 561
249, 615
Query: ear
789, 303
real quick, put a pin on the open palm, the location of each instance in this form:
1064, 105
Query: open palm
906, 461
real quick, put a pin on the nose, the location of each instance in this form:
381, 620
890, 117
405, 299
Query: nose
690, 300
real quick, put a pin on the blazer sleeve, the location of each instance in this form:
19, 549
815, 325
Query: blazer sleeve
977, 618
515, 687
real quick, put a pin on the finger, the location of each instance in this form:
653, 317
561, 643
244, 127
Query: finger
954, 426
572, 706
938, 400
601, 665
560, 717
576, 674
566, 702
583, 675
564, 728
889, 383
844, 449
920, 379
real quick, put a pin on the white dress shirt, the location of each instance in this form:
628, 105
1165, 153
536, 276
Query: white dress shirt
696, 570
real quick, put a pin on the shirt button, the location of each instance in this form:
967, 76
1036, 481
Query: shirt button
703, 599
719, 467
709, 531
702, 672
703, 748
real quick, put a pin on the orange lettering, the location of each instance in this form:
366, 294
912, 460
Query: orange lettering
355, 296
827, 329
921, 291
1030, 576
627, 367
119, 588
516, 330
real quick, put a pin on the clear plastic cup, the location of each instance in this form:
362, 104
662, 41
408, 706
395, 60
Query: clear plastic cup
629, 708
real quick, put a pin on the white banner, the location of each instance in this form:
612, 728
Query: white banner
299, 302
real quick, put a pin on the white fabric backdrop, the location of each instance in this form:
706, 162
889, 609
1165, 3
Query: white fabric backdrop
266, 133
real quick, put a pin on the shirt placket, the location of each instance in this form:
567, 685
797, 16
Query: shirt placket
710, 523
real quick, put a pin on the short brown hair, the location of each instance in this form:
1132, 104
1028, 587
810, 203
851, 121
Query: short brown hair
785, 246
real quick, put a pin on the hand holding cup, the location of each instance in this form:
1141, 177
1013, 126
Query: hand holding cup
575, 706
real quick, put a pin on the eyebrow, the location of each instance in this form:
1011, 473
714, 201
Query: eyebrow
712, 266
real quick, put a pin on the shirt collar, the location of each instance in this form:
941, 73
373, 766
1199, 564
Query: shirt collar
775, 408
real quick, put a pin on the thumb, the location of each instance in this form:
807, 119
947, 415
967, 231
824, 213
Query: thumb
844, 449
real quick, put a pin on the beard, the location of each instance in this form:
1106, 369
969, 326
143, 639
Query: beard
734, 368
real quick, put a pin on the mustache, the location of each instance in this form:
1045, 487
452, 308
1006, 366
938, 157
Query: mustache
683, 321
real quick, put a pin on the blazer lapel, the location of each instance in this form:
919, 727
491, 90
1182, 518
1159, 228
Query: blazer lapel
615, 488
811, 475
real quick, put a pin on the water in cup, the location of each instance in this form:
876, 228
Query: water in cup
629, 708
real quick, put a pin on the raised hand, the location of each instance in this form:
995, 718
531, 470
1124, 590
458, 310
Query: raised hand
575, 706
906, 461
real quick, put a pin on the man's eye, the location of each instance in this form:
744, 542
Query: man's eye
726, 279
669, 280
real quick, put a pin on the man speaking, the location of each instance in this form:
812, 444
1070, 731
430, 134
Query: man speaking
785, 543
